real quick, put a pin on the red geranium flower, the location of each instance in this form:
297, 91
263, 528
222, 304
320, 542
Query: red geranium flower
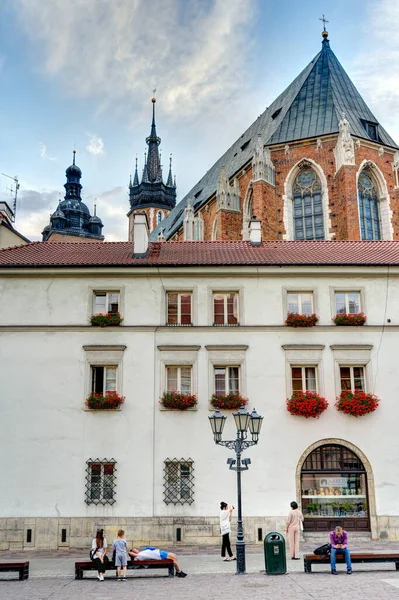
356, 403
306, 404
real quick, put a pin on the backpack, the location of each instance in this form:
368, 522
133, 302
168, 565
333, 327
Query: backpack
323, 550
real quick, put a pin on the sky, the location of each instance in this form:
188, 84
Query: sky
81, 73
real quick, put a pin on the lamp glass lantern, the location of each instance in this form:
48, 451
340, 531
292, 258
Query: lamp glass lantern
242, 418
217, 421
255, 425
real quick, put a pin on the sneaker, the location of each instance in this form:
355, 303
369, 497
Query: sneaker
124, 578
334, 572
101, 577
181, 574
349, 571
226, 559
119, 579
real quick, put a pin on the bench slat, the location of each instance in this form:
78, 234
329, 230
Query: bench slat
356, 557
167, 563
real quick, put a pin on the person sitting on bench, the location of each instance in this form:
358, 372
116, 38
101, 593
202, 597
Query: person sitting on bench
339, 543
151, 553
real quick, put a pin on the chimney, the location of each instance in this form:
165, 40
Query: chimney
140, 235
255, 232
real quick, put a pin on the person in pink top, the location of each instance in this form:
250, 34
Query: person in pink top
293, 529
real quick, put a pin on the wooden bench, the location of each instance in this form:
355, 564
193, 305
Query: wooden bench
89, 565
356, 557
22, 568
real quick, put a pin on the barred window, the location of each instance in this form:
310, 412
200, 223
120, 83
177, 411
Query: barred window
178, 481
100, 481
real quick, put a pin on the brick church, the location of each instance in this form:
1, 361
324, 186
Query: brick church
316, 165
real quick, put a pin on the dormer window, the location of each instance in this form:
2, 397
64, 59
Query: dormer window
371, 130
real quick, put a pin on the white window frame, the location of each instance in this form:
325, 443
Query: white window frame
303, 373
179, 368
352, 378
107, 294
346, 294
226, 293
179, 294
103, 356
118, 289
304, 355
105, 367
176, 356
179, 290
226, 356
299, 290
300, 311
347, 290
226, 377
352, 355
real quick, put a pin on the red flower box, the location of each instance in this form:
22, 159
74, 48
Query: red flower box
106, 320
306, 404
350, 320
178, 401
297, 320
356, 403
107, 401
230, 401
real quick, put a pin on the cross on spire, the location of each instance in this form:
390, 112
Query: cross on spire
323, 18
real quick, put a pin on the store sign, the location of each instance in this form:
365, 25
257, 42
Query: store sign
333, 482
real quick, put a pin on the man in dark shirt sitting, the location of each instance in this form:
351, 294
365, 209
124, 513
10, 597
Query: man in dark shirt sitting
339, 543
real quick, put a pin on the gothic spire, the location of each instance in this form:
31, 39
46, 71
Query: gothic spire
169, 182
136, 176
154, 171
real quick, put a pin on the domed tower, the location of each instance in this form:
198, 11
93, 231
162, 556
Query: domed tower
151, 195
72, 220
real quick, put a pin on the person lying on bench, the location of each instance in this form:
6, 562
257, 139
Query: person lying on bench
151, 553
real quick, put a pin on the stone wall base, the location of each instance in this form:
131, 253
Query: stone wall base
78, 532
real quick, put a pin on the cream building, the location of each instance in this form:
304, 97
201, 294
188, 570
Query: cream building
198, 317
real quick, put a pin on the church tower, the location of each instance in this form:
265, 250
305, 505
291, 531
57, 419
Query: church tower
151, 195
72, 221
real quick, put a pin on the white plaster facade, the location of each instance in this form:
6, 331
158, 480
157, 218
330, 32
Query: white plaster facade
46, 345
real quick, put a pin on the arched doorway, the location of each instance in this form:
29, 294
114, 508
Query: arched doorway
334, 489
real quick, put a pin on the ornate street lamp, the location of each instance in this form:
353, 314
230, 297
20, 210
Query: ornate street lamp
244, 421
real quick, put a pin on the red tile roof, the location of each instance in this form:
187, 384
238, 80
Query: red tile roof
178, 254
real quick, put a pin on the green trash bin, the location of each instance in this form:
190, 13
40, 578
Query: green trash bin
275, 559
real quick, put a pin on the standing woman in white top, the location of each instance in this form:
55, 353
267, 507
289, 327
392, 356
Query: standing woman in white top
293, 528
225, 529
99, 553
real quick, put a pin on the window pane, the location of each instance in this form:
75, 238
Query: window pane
113, 302
218, 309
353, 303
95, 481
292, 303
220, 380
171, 377
296, 374
97, 380
310, 373
307, 304
345, 374
185, 308
340, 307
185, 377
110, 379
232, 309
233, 379
358, 377
172, 309
184, 482
100, 301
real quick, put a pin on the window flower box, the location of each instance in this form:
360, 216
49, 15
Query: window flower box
297, 320
175, 400
106, 320
356, 403
107, 401
230, 401
350, 320
306, 404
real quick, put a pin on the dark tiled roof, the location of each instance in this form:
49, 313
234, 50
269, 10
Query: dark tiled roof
311, 106
179, 254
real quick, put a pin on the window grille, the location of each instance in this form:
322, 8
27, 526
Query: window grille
308, 206
178, 481
100, 481
369, 208
333, 458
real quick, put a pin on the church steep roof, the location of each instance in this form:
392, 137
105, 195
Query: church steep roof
311, 106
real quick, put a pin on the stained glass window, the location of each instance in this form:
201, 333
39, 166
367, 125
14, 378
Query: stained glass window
308, 206
369, 209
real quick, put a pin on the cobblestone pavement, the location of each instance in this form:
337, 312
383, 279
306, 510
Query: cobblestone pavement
52, 578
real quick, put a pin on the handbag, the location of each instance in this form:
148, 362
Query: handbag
114, 555
323, 550
93, 553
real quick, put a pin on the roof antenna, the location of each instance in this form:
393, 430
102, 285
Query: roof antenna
13, 190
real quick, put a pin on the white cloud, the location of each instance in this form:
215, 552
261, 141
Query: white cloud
376, 68
95, 145
194, 52
44, 154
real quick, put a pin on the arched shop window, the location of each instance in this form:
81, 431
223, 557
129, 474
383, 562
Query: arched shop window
334, 490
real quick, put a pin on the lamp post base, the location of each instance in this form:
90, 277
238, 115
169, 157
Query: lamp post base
240, 555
